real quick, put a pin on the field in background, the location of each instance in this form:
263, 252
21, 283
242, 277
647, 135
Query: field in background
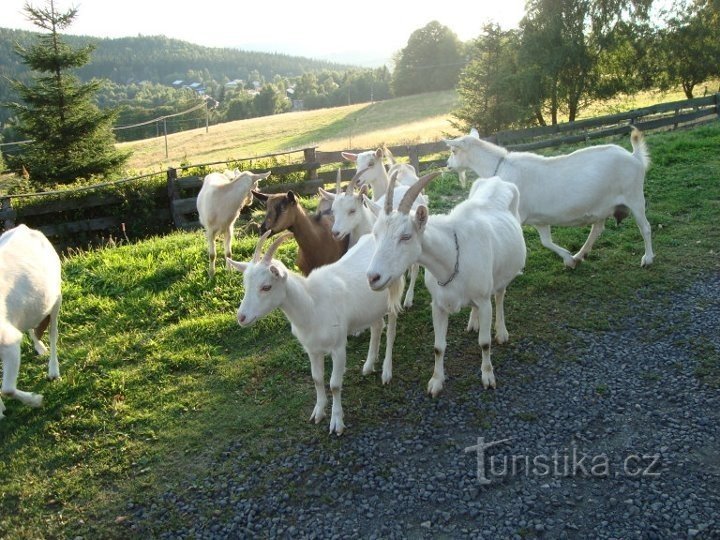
407, 120
411, 119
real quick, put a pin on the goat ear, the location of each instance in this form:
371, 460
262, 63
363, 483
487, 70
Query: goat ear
349, 156
374, 207
452, 143
421, 217
291, 197
364, 190
235, 265
326, 195
277, 272
261, 176
260, 195
474, 133
379, 153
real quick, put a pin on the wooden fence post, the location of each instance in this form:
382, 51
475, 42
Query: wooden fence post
6, 208
414, 156
717, 104
173, 195
310, 157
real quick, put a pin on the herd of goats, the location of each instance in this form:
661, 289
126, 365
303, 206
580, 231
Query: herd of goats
354, 252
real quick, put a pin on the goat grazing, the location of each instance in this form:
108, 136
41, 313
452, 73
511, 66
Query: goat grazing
221, 198
581, 188
316, 244
30, 299
323, 309
469, 255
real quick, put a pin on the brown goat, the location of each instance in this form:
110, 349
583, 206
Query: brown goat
316, 244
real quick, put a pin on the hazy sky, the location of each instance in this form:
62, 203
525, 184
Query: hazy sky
373, 30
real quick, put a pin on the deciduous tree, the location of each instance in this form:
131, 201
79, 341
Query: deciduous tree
431, 60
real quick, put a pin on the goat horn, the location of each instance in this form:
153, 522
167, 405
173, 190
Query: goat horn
258, 247
350, 188
388, 154
276, 244
389, 193
414, 191
358, 174
337, 181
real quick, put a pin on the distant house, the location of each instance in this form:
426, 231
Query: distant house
178, 82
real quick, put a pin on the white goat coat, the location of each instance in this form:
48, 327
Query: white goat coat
30, 298
222, 197
325, 307
492, 248
29, 282
469, 255
584, 187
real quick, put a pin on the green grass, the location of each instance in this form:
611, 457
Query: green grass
158, 378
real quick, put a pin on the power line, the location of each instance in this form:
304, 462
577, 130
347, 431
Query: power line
140, 124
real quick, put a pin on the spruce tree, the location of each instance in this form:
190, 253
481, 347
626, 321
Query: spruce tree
72, 137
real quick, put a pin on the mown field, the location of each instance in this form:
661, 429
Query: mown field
406, 120
158, 378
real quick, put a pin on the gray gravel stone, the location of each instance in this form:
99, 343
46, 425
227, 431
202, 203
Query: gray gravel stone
628, 398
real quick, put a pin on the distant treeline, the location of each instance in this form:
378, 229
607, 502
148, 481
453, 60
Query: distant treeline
154, 76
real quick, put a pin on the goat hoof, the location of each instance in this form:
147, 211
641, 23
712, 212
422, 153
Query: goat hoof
386, 378
368, 369
488, 380
317, 415
435, 386
337, 426
53, 377
645, 261
34, 400
502, 337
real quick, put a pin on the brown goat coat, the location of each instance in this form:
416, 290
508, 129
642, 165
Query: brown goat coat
316, 244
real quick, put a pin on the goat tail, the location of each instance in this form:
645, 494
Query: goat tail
395, 290
640, 151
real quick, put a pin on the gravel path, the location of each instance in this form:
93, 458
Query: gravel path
624, 442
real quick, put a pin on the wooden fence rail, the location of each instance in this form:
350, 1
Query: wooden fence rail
177, 204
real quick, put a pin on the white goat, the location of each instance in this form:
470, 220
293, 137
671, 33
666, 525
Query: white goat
221, 198
371, 162
581, 188
30, 300
324, 308
354, 215
469, 255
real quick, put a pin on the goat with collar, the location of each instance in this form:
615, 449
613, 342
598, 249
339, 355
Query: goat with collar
469, 255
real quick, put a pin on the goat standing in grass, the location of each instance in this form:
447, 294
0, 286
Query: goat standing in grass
581, 188
333, 302
316, 244
469, 255
221, 198
30, 300
355, 215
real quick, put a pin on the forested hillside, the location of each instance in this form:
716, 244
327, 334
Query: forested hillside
158, 59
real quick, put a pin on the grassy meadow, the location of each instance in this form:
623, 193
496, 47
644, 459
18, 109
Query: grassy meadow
158, 378
406, 120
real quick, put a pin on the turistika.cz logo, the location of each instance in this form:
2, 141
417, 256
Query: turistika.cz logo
567, 463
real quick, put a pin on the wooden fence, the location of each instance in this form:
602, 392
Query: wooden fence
176, 206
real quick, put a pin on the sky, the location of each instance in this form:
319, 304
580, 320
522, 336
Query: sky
366, 33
